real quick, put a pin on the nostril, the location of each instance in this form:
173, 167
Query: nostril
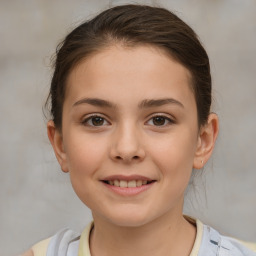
121, 158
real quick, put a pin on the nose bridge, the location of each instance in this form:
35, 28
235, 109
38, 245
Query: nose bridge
127, 144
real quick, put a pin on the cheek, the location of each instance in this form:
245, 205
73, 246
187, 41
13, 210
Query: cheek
174, 158
84, 154
84, 157
175, 154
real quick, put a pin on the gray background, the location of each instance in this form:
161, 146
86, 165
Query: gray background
36, 198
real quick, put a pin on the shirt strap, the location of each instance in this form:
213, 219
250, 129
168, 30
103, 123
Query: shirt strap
84, 248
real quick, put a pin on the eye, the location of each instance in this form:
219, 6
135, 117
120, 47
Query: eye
160, 120
95, 120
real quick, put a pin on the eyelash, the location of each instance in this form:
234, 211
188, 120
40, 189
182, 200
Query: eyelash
90, 118
166, 119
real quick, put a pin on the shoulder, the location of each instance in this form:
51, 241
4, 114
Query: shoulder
252, 246
28, 253
223, 245
241, 245
61, 242
39, 249
65, 242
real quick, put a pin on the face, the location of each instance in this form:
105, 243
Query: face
130, 134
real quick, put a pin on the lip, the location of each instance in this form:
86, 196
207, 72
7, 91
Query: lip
126, 191
126, 178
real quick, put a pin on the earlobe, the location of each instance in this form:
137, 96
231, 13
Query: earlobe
55, 138
206, 141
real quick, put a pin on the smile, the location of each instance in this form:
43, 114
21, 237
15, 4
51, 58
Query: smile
127, 184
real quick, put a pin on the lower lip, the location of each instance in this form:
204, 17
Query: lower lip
129, 191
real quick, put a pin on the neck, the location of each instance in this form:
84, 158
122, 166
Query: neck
168, 235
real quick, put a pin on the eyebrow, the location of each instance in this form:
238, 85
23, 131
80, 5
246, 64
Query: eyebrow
147, 103
95, 102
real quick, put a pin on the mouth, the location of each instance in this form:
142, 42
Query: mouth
128, 183
127, 186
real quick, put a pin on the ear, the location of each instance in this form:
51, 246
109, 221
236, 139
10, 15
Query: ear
206, 141
56, 140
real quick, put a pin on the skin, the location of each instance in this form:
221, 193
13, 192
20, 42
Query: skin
28, 253
129, 141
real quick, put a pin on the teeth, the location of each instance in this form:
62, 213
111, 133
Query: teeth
116, 183
127, 184
123, 184
139, 183
132, 184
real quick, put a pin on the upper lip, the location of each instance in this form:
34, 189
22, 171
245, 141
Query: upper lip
127, 178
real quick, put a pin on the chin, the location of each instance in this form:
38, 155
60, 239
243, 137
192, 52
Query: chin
129, 222
130, 219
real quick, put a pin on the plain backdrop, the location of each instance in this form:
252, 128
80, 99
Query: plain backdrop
36, 198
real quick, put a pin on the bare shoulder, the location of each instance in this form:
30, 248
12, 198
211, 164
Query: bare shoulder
28, 253
39, 248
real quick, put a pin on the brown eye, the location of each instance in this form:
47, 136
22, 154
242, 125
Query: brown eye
159, 120
95, 121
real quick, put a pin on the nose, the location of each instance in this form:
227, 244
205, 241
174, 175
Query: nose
127, 145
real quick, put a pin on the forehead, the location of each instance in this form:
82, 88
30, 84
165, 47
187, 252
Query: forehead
141, 70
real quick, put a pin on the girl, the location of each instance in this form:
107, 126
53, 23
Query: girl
130, 104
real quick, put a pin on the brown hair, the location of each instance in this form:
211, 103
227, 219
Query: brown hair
133, 25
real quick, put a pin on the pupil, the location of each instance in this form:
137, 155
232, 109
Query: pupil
159, 120
97, 121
